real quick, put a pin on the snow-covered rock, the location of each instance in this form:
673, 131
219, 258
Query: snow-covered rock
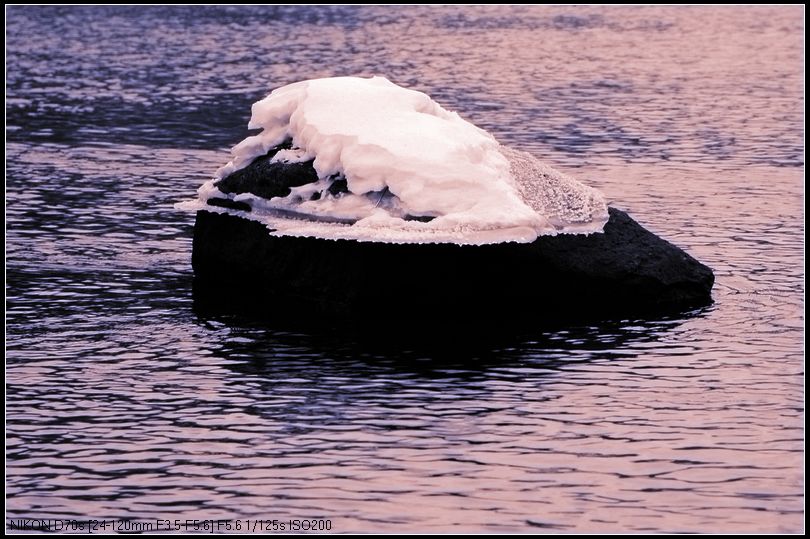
362, 198
408, 171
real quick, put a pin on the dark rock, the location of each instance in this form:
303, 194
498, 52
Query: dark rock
340, 185
420, 218
230, 204
268, 180
625, 271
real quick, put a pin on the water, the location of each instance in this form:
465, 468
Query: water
125, 403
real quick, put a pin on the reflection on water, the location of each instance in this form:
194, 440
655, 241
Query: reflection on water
126, 402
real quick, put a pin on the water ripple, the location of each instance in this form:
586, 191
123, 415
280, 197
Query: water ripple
123, 401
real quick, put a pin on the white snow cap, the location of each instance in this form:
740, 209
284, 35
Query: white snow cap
405, 159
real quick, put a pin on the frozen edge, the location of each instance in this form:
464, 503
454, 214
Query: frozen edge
285, 227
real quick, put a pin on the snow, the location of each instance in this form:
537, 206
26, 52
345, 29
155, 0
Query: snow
406, 160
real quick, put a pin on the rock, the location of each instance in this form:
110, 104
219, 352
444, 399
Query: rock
266, 179
625, 271
230, 204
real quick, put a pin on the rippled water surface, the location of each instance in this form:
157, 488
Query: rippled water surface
124, 402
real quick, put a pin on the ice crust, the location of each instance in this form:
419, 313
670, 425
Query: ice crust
415, 172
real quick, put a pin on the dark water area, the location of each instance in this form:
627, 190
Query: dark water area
123, 401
